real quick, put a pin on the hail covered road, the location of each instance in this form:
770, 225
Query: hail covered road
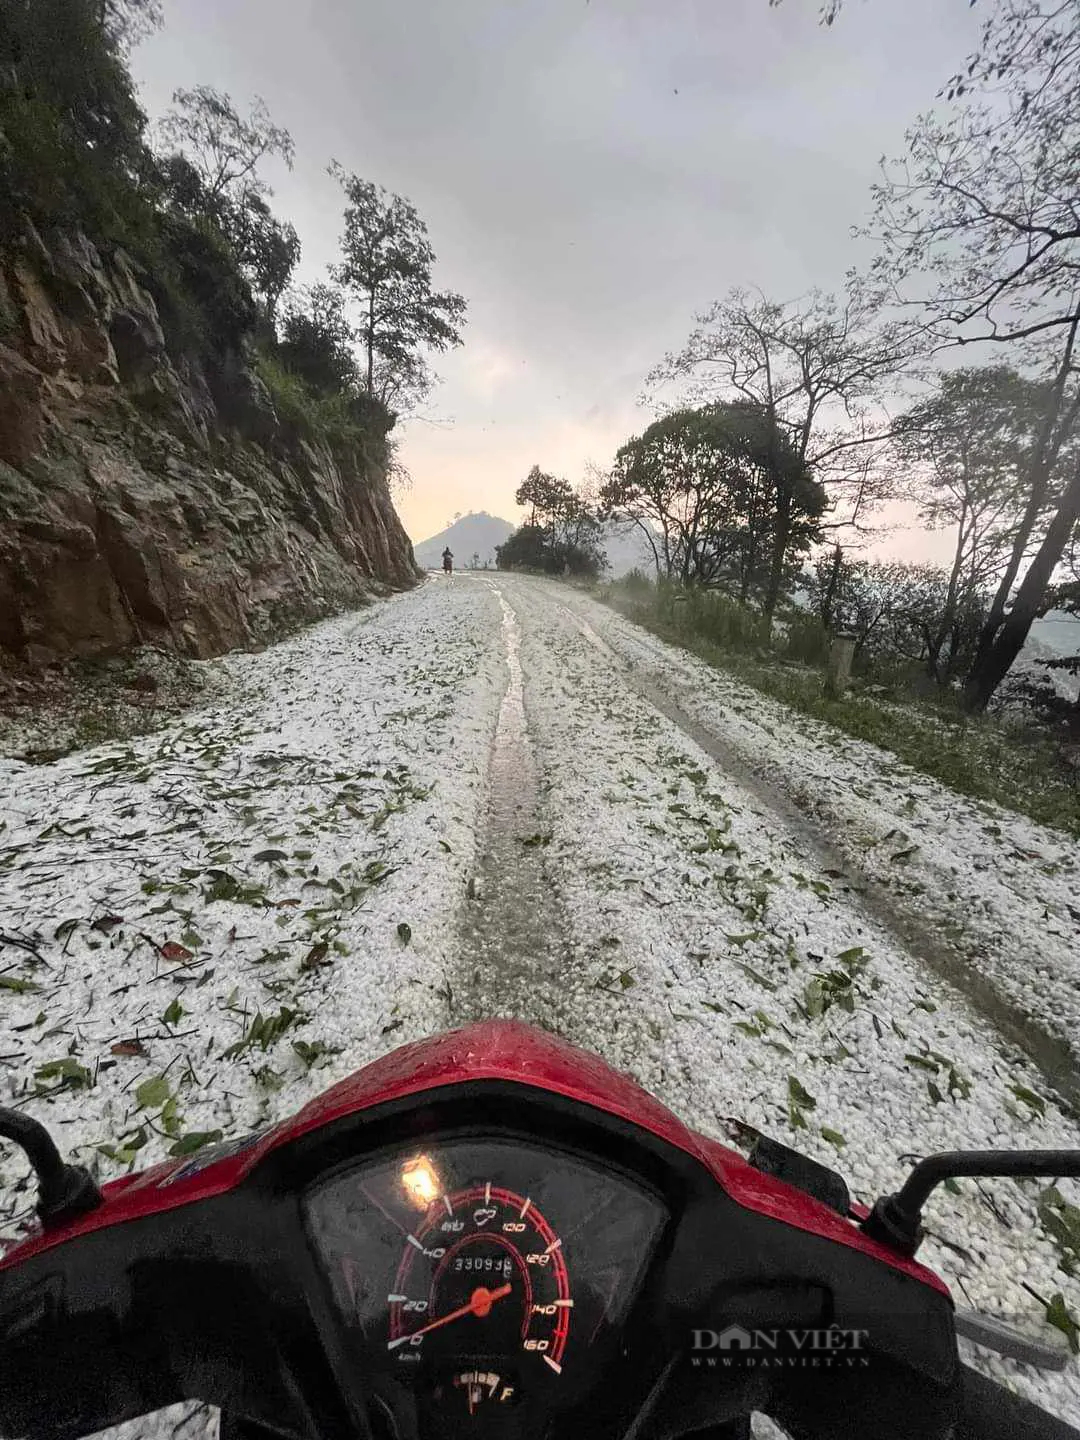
496, 796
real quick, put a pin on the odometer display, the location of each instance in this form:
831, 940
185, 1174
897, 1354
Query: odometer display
483, 1273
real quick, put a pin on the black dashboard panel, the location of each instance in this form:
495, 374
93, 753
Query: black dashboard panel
483, 1274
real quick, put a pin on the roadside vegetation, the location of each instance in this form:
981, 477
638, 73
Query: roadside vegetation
1007, 755
187, 201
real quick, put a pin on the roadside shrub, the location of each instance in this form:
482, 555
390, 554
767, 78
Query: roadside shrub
340, 420
806, 639
712, 616
205, 291
637, 583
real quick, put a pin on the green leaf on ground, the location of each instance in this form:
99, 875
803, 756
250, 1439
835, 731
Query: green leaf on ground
70, 1073
1061, 1317
153, 1093
20, 987
1030, 1099
194, 1140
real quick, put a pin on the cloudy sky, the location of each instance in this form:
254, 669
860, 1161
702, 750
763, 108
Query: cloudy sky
591, 172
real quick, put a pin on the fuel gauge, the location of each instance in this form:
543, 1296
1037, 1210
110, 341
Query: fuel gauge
484, 1388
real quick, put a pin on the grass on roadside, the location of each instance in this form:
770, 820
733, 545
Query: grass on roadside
987, 757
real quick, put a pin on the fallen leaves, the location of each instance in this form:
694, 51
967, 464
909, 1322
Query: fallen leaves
153, 1093
316, 957
194, 1141
133, 1049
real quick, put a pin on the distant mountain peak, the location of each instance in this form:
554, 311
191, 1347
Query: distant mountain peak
476, 534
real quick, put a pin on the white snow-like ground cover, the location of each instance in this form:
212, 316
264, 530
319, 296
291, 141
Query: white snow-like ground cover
1003, 890
205, 927
201, 928
771, 996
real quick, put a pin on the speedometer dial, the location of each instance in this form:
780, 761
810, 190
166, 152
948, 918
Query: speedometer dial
484, 1281
481, 1274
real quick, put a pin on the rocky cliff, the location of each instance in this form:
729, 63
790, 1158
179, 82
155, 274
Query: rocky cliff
143, 500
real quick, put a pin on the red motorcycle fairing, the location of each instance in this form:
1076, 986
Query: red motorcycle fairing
496, 1050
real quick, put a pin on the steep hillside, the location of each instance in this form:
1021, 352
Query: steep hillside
146, 497
473, 535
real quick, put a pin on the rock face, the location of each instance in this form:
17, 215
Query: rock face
142, 501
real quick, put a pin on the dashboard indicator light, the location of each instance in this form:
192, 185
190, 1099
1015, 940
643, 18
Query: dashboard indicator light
420, 1182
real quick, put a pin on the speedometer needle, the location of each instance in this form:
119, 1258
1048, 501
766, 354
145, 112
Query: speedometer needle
479, 1304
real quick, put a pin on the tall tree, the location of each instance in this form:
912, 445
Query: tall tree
268, 249
561, 521
725, 494
387, 268
969, 443
985, 204
213, 172
816, 368
126, 22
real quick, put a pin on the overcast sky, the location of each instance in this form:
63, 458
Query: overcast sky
591, 172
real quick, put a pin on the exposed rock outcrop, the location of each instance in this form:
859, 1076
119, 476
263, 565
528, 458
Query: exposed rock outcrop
144, 501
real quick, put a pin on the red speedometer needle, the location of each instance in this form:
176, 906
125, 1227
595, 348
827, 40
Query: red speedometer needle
479, 1304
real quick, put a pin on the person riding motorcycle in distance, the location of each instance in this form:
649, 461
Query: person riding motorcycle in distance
447, 561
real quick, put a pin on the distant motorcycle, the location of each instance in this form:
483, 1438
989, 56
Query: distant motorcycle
492, 1233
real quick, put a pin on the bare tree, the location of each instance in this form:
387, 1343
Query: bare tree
985, 203
817, 367
969, 442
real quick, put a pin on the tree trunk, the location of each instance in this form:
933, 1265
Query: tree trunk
988, 671
1048, 445
646, 530
776, 567
996, 615
838, 670
371, 344
828, 600
935, 643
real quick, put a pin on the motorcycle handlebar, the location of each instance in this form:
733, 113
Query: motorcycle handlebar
990, 1412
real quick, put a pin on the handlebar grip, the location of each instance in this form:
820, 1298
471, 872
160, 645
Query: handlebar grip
990, 1412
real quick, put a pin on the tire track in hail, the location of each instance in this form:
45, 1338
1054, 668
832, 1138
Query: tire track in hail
519, 954
515, 953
